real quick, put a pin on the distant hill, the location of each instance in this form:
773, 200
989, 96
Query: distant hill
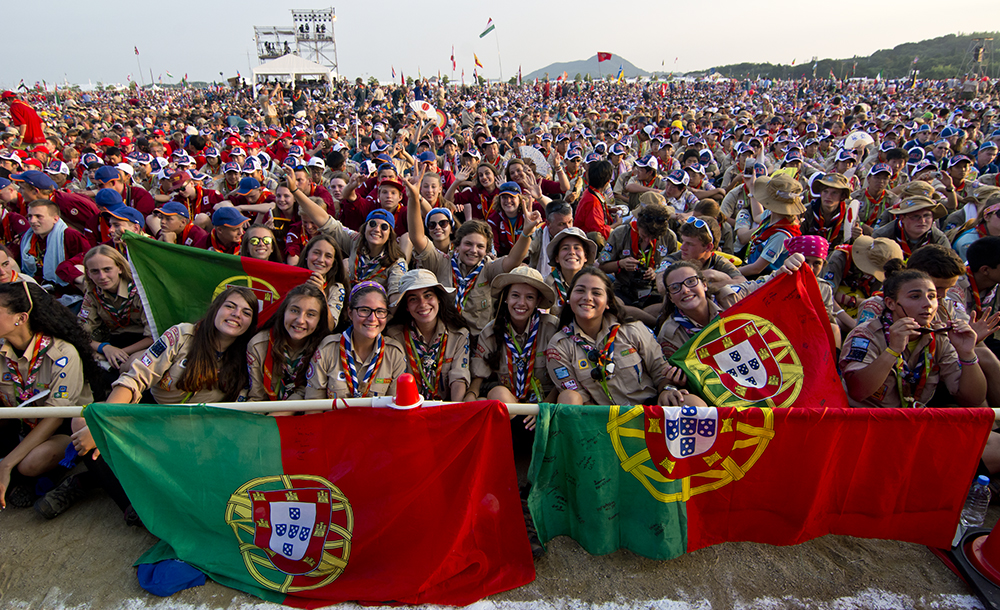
942, 57
587, 66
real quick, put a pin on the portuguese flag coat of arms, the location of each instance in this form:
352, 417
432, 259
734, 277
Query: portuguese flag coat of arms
360, 504
177, 283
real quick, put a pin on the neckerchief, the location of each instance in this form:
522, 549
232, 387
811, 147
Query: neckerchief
485, 201
354, 388
289, 370
915, 377
120, 314
509, 230
601, 202
874, 207
605, 355
974, 290
836, 223
904, 243
691, 327
521, 361
184, 233
645, 258
367, 268
562, 288
220, 248
854, 278
426, 362
24, 386
37, 251
464, 283
763, 233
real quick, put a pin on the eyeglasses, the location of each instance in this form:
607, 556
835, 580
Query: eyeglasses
697, 222
690, 282
381, 226
256, 241
440, 224
366, 312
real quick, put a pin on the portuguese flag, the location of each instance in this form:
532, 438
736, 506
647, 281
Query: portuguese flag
177, 283
360, 504
663, 481
763, 350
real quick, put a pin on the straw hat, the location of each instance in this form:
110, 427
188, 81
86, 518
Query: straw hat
915, 204
871, 254
780, 194
553, 247
525, 275
417, 279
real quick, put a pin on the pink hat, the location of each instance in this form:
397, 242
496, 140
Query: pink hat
808, 245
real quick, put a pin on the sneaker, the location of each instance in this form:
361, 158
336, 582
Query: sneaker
132, 518
55, 503
21, 496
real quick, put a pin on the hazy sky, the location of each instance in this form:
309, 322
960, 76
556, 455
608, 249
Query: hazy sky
79, 41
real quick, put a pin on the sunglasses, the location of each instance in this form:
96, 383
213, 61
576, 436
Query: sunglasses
438, 224
256, 241
690, 282
381, 226
697, 222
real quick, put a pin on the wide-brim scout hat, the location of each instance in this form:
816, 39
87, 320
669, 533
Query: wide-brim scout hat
780, 194
417, 279
871, 254
529, 276
589, 245
915, 204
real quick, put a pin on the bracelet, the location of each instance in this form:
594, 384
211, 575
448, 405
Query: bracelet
619, 265
968, 362
951, 190
893, 352
668, 388
100, 348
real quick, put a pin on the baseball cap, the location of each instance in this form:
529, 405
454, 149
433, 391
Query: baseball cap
956, 159
210, 151
229, 216
880, 168
57, 167
232, 166
380, 214
108, 198
678, 177
35, 178
126, 213
174, 208
106, 174
246, 185
510, 188
426, 157
649, 161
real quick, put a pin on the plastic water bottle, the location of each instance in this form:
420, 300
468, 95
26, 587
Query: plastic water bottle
976, 504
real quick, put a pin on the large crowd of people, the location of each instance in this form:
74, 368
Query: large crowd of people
545, 242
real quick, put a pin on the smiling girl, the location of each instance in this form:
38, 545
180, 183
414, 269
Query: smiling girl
112, 312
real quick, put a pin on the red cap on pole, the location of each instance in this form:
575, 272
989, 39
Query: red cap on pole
407, 396
984, 554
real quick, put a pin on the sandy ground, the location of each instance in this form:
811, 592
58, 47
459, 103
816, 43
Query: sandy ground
83, 560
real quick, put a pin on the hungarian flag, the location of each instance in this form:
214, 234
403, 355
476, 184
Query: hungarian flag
762, 350
177, 283
371, 505
663, 481
603, 56
489, 28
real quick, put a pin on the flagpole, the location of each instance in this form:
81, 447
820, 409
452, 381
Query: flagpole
500, 63
140, 65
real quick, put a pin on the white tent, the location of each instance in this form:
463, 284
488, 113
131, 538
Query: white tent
291, 66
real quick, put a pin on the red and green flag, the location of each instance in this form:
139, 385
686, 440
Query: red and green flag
772, 349
664, 481
369, 505
177, 283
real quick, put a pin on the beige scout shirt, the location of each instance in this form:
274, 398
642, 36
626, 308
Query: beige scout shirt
867, 341
326, 378
488, 345
348, 242
477, 307
454, 367
94, 317
735, 201
256, 355
335, 296
673, 336
162, 365
61, 373
640, 368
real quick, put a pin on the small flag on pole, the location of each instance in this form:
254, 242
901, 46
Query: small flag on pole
621, 73
603, 56
915, 59
136, 50
519, 75
393, 71
489, 28
453, 65
169, 75
475, 57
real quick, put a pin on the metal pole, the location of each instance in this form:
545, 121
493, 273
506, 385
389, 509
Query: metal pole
500, 63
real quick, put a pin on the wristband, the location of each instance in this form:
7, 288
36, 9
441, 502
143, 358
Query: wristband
668, 388
893, 352
968, 362
100, 348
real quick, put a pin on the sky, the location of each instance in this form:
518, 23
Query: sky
95, 41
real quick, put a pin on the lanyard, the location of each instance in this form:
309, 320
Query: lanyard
603, 358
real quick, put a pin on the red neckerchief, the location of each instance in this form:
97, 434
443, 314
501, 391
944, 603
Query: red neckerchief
838, 219
876, 207
509, 229
485, 200
959, 186
8, 231
646, 259
855, 279
24, 385
786, 226
219, 247
904, 243
974, 289
185, 232
37, 250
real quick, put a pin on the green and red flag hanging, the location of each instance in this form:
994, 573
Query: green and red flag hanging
177, 283
663, 481
762, 350
369, 505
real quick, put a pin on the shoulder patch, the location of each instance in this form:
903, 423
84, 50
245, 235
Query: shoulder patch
551, 354
62, 361
570, 384
561, 372
156, 350
858, 349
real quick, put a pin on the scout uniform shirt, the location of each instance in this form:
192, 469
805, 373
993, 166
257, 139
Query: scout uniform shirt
283, 372
623, 243
162, 365
678, 328
639, 364
867, 341
106, 314
547, 325
433, 371
47, 364
476, 305
327, 377
367, 269
335, 296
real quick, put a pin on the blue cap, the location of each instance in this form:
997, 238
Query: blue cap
174, 208
617, 149
4, 183
90, 160
949, 131
124, 212
880, 168
444, 211
228, 217
107, 174
924, 127
573, 153
426, 156
592, 158
210, 151
247, 184
232, 166
108, 198
510, 187
380, 214
39, 180
679, 177
987, 144
956, 159
916, 154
